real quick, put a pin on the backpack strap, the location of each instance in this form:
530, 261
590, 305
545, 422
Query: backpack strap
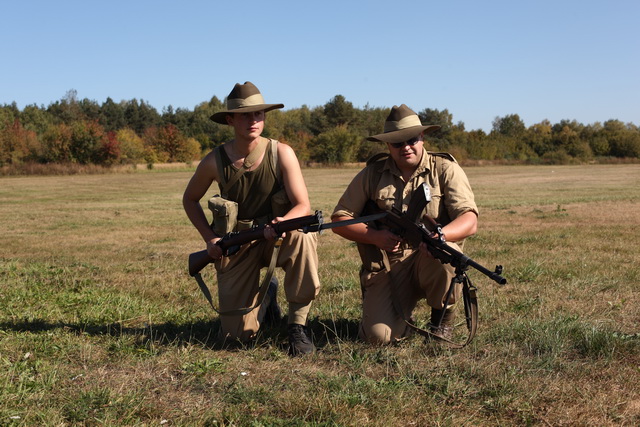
274, 154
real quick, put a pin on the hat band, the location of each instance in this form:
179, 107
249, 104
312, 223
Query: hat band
404, 123
249, 101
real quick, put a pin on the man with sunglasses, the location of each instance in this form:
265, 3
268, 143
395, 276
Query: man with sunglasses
394, 277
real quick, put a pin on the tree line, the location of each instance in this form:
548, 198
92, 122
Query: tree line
81, 131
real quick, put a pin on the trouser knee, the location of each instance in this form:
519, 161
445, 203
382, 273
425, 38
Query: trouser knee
378, 334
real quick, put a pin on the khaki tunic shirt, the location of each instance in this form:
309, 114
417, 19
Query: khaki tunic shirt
382, 182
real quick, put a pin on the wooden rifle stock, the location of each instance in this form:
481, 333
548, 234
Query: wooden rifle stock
231, 242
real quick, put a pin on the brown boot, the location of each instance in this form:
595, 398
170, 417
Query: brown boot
442, 328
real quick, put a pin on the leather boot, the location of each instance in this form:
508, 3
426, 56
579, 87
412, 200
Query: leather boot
442, 328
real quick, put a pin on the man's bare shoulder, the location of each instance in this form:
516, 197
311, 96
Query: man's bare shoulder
286, 153
210, 157
208, 165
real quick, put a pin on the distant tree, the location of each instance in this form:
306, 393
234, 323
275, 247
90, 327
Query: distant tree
88, 141
318, 122
109, 153
140, 116
89, 110
275, 122
170, 145
479, 146
189, 151
67, 110
339, 112
624, 140
296, 122
35, 119
206, 131
540, 137
112, 116
17, 144
370, 121
168, 141
56, 142
180, 118
444, 119
593, 135
131, 146
337, 145
509, 125
8, 114
569, 140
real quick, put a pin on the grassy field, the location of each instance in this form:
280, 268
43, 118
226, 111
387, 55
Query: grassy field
100, 323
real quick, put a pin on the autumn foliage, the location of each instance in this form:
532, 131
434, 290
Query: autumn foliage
83, 132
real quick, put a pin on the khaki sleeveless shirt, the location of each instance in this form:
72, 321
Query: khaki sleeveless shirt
254, 189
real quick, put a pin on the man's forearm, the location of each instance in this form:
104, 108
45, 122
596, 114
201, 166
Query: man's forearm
199, 220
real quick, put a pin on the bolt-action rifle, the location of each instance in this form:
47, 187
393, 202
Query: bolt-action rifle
231, 242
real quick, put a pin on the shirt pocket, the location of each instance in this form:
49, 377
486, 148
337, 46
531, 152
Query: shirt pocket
386, 197
435, 205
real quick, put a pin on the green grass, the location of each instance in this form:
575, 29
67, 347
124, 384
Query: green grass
100, 323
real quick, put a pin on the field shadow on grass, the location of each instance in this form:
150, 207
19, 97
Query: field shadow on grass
169, 333
330, 330
203, 333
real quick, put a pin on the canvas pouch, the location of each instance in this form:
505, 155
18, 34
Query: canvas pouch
280, 203
225, 215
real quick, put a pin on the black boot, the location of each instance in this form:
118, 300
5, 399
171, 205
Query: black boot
440, 325
300, 342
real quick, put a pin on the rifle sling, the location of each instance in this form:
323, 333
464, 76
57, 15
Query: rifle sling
262, 291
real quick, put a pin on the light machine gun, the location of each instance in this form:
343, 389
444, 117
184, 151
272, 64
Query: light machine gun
408, 226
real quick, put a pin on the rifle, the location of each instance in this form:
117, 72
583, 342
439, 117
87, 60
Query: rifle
414, 232
231, 242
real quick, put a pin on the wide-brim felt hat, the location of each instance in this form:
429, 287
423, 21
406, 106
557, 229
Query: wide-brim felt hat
245, 98
401, 125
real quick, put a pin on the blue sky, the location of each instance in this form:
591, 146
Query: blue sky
543, 59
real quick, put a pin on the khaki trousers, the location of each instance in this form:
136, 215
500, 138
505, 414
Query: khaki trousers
239, 280
416, 276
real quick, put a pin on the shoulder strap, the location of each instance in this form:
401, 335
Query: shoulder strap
276, 164
439, 161
377, 157
375, 161
218, 158
444, 155
249, 161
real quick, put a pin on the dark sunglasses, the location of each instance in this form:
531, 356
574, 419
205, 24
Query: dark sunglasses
410, 143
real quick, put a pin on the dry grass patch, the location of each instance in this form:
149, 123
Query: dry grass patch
101, 324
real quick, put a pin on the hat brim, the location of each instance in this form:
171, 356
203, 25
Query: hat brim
221, 116
403, 134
